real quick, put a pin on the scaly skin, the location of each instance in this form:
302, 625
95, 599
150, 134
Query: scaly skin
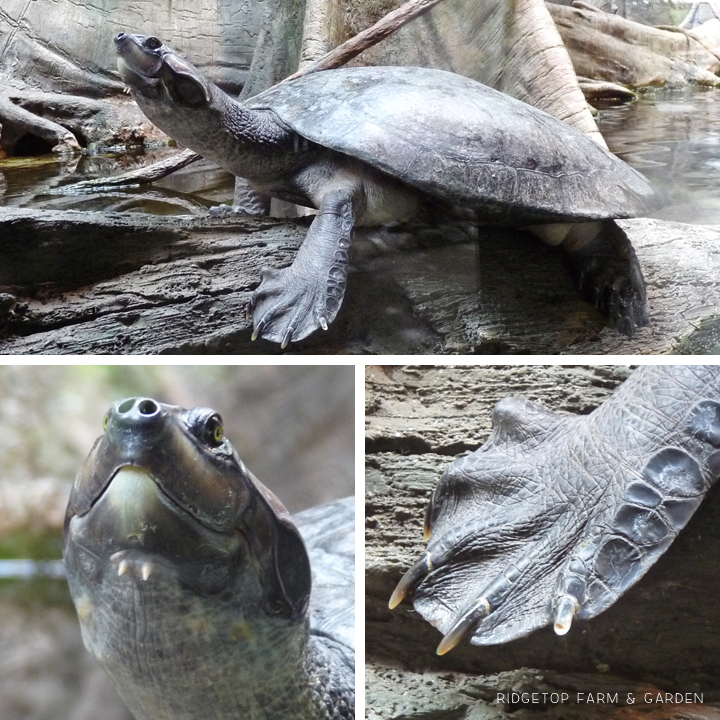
555, 516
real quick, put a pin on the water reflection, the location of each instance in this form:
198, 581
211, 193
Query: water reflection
40, 181
673, 137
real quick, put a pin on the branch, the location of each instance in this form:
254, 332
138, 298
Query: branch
384, 27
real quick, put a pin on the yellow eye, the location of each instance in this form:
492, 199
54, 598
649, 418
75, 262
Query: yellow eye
213, 432
106, 420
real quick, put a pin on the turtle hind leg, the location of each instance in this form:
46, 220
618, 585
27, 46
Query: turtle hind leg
246, 201
609, 273
293, 302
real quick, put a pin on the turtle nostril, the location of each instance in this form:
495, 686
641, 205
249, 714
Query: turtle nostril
148, 407
126, 405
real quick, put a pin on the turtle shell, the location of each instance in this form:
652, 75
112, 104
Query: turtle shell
462, 142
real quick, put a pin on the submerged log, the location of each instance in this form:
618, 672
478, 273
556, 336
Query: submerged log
76, 282
661, 636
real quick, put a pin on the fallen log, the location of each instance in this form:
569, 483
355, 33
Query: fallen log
79, 282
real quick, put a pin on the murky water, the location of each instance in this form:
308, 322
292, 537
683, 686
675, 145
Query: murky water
673, 137
39, 182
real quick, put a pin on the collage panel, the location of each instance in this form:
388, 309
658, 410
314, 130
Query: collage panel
542, 541
439, 177
207, 523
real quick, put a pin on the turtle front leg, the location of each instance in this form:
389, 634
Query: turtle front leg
557, 515
609, 273
293, 302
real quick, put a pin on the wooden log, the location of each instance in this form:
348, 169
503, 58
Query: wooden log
610, 48
77, 282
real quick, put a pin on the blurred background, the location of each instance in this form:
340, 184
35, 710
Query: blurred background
293, 426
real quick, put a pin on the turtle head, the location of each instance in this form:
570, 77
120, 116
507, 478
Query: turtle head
164, 492
156, 72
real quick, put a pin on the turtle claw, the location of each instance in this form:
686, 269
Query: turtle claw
566, 608
465, 622
287, 337
410, 580
257, 330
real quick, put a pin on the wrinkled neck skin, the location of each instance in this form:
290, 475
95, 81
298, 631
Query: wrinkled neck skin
248, 143
176, 655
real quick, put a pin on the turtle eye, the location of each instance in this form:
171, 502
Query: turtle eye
106, 420
207, 426
152, 43
214, 433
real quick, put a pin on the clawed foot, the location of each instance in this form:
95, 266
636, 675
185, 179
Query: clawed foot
289, 305
619, 293
610, 277
552, 519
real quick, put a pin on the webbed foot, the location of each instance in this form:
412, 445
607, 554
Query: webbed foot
557, 515
610, 277
290, 305
293, 302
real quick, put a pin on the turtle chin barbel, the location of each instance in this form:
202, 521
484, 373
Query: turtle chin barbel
369, 146
556, 516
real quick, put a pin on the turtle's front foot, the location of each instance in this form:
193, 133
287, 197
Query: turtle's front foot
556, 516
289, 305
293, 302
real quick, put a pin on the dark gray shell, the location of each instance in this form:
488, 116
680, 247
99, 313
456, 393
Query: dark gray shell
457, 140
329, 534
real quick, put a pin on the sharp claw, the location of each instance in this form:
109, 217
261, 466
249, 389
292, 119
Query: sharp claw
258, 329
566, 608
465, 622
323, 323
410, 580
427, 525
287, 337
123, 567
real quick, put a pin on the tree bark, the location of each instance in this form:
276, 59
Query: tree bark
609, 48
79, 282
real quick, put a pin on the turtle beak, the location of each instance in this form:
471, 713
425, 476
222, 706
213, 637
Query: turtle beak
137, 64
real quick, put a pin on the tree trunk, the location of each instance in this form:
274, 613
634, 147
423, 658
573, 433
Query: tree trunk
609, 48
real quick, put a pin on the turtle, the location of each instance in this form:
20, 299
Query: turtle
192, 583
557, 515
380, 145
